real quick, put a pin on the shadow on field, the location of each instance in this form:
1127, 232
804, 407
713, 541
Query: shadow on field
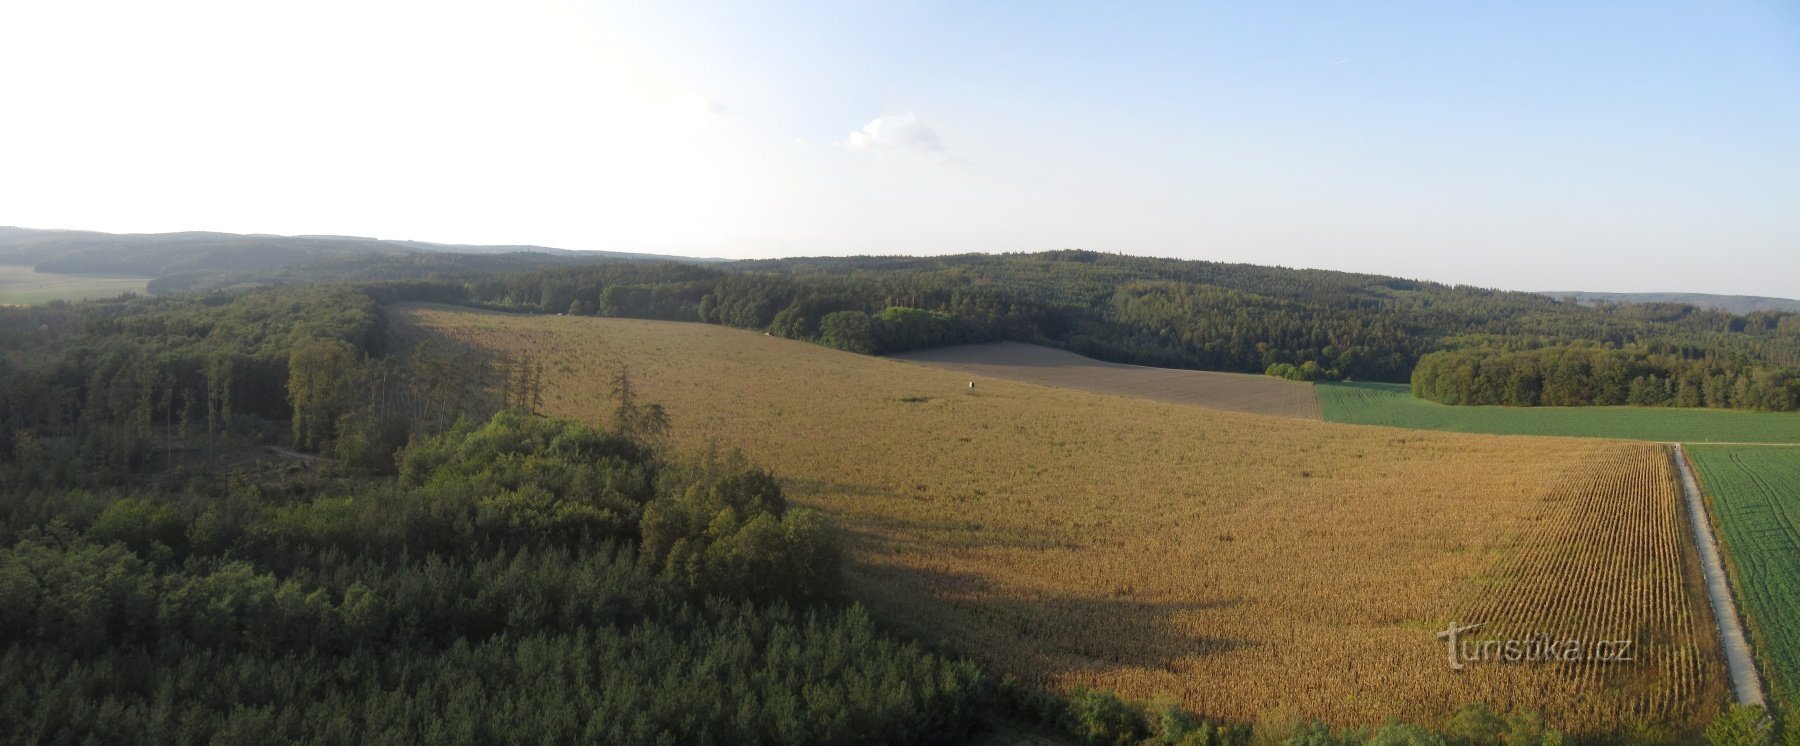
1009, 355
1020, 617
1036, 634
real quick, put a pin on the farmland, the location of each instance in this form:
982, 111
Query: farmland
20, 286
1394, 405
1236, 392
1234, 563
1755, 496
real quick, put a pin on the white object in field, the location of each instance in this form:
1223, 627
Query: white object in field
971, 384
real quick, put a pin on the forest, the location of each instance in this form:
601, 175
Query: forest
1574, 375
164, 577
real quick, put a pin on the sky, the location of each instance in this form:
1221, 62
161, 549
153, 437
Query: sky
1606, 146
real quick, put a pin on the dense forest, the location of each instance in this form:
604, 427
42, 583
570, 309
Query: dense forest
496, 577
1570, 376
490, 594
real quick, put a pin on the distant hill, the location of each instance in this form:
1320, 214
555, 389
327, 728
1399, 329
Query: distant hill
163, 254
1737, 304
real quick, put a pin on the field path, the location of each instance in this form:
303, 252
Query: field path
1048, 366
1731, 630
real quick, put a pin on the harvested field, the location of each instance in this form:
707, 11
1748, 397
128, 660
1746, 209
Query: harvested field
1048, 366
1234, 563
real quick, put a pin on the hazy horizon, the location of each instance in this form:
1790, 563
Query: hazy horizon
1611, 147
1548, 291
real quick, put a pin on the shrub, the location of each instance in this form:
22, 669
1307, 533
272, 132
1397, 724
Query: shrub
1100, 717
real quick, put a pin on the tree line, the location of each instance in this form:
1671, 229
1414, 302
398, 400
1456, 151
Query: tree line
1161, 312
1571, 376
1302, 324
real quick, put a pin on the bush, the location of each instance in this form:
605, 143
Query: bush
1311, 734
1400, 734
140, 525
1101, 718
1477, 725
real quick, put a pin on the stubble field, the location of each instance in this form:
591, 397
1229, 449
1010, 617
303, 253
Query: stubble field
1236, 392
1235, 563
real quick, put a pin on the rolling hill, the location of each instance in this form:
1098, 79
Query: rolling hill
160, 254
1231, 562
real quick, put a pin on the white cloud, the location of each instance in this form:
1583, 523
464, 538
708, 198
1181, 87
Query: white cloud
901, 134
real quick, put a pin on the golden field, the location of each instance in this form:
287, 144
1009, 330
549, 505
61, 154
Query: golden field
1235, 392
1238, 564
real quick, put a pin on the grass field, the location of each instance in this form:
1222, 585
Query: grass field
1236, 392
1394, 405
24, 286
1755, 496
1232, 562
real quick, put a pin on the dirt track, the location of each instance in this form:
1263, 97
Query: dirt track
1738, 662
1235, 392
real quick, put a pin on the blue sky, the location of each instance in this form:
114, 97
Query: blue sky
1598, 146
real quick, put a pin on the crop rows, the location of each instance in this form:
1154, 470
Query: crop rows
1610, 559
1755, 497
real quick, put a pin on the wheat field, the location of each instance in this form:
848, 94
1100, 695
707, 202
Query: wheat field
1237, 564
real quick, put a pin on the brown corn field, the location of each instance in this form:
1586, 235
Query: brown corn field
1234, 563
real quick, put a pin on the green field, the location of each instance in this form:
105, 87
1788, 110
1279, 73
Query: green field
1393, 404
23, 286
1755, 495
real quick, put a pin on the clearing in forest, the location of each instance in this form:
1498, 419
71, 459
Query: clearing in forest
1048, 366
24, 286
1234, 563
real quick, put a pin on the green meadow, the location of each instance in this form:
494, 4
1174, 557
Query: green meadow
1755, 495
24, 286
1393, 405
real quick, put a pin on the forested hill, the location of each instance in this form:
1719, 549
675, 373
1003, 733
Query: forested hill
1493, 346
1172, 313
164, 254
